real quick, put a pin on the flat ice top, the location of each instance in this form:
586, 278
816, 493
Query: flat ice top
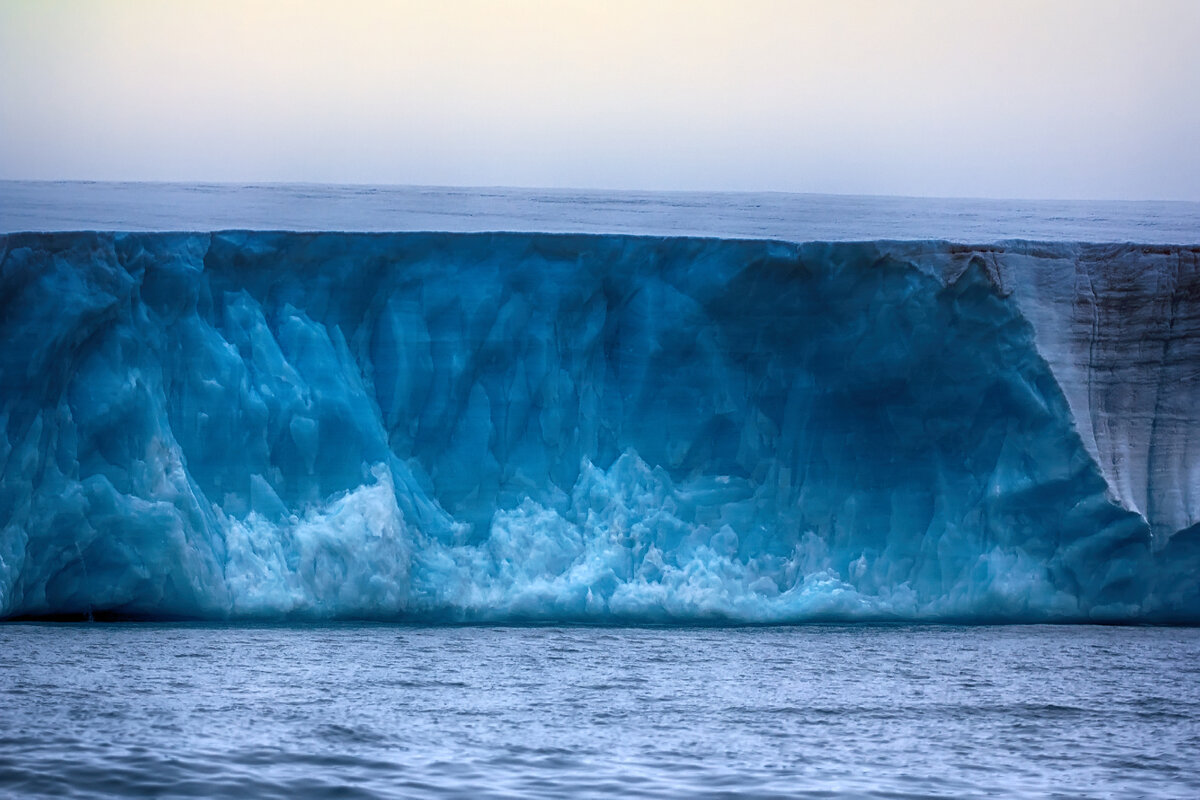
69, 206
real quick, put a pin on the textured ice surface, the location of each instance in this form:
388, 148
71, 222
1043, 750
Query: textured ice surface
534, 426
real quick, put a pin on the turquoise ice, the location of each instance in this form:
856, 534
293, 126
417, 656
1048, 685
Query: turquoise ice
597, 427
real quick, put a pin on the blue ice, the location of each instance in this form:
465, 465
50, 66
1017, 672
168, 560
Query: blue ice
596, 427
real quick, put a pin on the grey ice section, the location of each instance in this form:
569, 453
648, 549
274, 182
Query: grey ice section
1119, 327
69, 206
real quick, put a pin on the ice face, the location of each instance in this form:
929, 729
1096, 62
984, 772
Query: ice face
561, 427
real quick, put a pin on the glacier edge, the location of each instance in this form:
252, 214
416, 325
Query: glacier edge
585, 427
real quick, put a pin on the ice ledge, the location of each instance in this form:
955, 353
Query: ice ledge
337, 424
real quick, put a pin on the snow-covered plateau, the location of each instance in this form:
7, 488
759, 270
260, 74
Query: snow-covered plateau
534, 426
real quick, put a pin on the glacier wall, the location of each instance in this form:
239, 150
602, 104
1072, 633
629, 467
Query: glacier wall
597, 427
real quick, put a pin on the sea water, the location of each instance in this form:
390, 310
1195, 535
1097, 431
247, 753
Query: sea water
352, 710
108, 206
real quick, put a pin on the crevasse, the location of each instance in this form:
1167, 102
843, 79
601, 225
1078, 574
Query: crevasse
506, 427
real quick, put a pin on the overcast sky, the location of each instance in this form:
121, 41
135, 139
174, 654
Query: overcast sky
988, 98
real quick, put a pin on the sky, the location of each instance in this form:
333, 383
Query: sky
1089, 99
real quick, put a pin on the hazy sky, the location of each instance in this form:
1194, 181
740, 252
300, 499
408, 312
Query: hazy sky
994, 98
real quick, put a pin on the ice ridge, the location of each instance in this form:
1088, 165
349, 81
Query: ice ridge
500, 427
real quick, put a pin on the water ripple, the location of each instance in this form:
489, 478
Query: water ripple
374, 711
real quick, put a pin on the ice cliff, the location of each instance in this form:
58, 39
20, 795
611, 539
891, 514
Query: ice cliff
591, 427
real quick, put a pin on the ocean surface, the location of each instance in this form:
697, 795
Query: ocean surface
160, 710
73, 206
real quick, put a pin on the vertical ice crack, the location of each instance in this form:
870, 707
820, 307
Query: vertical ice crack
1156, 526
1106, 461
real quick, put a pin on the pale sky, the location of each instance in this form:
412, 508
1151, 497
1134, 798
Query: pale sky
978, 98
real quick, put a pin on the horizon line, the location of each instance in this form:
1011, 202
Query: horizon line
593, 189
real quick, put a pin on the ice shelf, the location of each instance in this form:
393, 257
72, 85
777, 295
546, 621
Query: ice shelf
531, 426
